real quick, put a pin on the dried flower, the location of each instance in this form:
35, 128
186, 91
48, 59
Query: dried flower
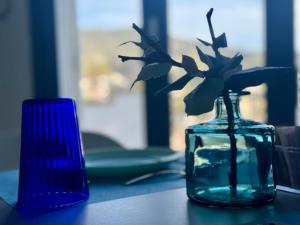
224, 73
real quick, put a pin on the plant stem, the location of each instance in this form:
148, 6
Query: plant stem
211, 29
232, 175
212, 33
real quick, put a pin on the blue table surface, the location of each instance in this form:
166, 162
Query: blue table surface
102, 189
161, 208
170, 207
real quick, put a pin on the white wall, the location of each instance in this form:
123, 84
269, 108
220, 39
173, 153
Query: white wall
16, 81
15, 78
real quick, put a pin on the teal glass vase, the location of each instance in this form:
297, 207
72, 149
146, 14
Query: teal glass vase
230, 167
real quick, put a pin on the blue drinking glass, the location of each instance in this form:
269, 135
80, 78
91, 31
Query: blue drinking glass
52, 170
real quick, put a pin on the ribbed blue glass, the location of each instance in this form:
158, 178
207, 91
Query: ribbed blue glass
52, 169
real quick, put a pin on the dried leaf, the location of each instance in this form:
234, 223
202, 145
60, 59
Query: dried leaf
220, 42
255, 76
148, 49
201, 99
204, 42
189, 64
146, 40
177, 85
205, 58
143, 45
209, 13
212, 59
231, 72
152, 71
158, 57
221, 61
149, 43
130, 42
232, 64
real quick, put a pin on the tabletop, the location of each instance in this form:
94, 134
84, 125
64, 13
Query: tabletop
161, 208
103, 189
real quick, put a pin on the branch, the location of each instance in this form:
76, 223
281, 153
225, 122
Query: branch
127, 58
232, 175
211, 30
150, 60
175, 63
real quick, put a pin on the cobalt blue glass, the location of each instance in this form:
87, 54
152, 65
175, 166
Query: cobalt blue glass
52, 169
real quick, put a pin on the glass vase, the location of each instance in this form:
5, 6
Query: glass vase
230, 166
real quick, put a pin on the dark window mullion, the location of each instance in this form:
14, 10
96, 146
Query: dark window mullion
282, 94
157, 107
44, 65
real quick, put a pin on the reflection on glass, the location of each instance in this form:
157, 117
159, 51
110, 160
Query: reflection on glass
212, 177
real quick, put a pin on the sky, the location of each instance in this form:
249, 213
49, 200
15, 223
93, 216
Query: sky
242, 21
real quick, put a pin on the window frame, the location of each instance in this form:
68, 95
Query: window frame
278, 53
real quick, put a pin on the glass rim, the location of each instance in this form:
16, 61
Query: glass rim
235, 94
232, 95
47, 100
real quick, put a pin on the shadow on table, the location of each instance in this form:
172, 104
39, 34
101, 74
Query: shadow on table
283, 210
64, 216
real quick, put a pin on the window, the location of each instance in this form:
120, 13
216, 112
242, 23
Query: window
107, 104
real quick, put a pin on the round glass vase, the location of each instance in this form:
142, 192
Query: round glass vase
230, 166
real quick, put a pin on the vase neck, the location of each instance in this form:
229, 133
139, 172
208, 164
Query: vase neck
221, 112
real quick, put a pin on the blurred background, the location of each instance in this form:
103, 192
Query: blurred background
69, 48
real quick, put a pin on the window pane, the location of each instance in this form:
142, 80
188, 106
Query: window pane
107, 105
243, 23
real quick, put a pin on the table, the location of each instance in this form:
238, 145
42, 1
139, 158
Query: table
161, 208
104, 189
